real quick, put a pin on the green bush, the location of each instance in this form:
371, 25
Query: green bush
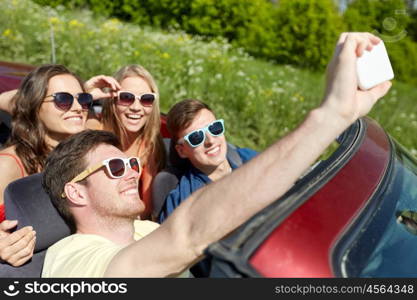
388, 18
403, 56
124, 9
260, 101
161, 13
306, 32
301, 32
296, 32
412, 26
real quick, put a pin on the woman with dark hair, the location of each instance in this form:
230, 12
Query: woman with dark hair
49, 106
133, 114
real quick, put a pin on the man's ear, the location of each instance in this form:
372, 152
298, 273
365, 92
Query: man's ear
75, 193
180, 150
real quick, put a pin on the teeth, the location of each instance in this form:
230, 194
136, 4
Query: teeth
213, 150
134, 116
131, 192
74, 118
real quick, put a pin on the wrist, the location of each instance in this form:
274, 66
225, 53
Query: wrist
330, 118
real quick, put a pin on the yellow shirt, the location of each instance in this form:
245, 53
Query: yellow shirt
86, 255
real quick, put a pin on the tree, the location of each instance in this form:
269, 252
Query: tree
306, 32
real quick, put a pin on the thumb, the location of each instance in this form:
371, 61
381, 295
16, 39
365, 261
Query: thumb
7, 225
380, 90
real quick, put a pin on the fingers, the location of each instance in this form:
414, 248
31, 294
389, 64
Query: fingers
342, 90
110, 82
115, 86
378, 91
24, 254
14, 237
357, 42
7, 225
18, 247
102, 81
102, 86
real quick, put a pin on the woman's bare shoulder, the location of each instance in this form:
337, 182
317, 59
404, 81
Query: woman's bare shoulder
8, 150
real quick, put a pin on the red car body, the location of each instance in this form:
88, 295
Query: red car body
11, 75
352, 215
329, 211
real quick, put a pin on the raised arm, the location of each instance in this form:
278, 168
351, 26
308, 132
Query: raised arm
218, 208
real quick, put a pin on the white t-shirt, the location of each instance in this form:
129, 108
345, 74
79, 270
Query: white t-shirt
86, 255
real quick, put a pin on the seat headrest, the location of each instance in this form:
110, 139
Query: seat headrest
26, 201
174, 160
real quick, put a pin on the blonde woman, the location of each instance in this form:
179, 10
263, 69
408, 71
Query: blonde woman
132, 113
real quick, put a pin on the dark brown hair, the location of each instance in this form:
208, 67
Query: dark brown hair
182, 114
28, 132
66, 161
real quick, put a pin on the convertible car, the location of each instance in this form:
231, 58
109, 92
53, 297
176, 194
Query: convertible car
351, 215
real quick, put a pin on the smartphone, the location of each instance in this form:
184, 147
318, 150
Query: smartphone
374, 67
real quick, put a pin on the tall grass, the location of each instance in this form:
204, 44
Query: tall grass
260, 101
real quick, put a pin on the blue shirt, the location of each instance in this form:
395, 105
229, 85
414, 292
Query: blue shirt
192, 180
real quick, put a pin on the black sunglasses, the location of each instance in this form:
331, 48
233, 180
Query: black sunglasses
127, 98
64, 100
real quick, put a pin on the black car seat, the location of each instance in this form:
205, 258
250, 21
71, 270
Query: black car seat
5, 125
26, 201
166, 180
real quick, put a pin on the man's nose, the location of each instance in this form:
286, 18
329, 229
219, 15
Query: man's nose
130, 173
209, 139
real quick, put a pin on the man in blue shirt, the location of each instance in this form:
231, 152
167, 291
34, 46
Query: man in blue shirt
199, 138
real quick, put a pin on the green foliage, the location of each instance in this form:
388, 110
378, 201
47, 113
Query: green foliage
260, 101
163, 13
387, 18
412, 26
305, 32
300, 32
403, 56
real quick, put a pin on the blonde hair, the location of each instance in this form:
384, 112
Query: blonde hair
152, 149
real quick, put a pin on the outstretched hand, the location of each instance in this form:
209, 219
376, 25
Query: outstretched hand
16, 248
102, 86
343, 97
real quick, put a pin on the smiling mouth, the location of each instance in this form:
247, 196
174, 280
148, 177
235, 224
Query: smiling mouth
133, 116
130, 191
214, 150
74, 118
